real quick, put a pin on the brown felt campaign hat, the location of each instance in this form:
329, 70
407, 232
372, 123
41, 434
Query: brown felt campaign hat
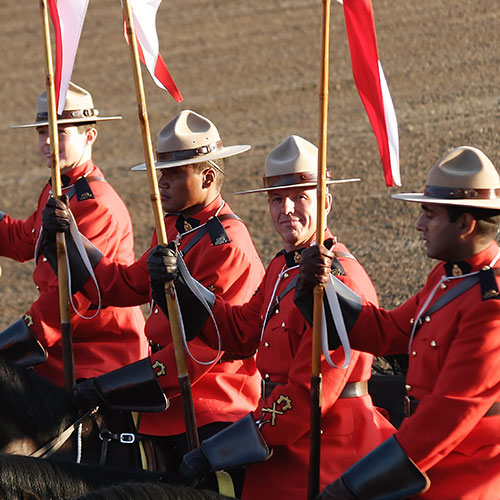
464, 176
293, 163
78, 109
190, 138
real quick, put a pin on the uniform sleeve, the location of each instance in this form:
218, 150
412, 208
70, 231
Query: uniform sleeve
120, 285
228, 272
17, 238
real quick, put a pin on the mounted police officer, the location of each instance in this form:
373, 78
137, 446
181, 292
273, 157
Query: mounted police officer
218, 249
448, 447
271, 324
102, 339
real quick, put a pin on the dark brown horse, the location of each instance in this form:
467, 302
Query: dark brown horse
40, 419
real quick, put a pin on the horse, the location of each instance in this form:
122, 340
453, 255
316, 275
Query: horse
40, 419
24, 477
150, 491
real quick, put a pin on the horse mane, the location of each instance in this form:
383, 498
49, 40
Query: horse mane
33, 406
58, 480
150, 491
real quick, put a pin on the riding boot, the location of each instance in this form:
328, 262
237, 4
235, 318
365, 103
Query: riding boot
134, 387
19, 345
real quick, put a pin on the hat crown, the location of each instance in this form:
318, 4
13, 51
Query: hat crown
464, 167
293, 155
77, 98
188, 130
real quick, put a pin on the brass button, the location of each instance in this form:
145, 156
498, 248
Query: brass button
267, 376
427, 319
37, 287
408, 388
412, 320
283, 325
286, 275
443, 286
156, 310
266, 345
413, 353
44, 259
433, 343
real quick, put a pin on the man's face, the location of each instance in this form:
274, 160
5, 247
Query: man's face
293, 212
74, 146
441, 237
181, 190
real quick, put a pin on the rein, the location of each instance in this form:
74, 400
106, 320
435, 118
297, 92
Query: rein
52, 446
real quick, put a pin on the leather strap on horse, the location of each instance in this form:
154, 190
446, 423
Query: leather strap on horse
52, 446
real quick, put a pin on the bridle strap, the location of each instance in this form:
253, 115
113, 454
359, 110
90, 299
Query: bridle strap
51, 447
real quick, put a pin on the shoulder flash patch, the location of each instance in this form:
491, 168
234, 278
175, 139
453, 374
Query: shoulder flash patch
83, 191
488, 282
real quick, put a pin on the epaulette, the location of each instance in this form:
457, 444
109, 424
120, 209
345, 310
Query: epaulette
488, 283
83, 191
216, 231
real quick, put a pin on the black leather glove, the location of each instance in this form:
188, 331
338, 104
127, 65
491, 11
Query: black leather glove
55, 216
162, 267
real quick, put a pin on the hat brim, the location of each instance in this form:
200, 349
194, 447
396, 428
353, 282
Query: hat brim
73, 121
422, 198
302, 185
225, 152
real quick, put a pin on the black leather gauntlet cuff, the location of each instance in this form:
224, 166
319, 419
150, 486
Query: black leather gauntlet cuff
134, 387
386, 472
19, 345
79, 272
194, 313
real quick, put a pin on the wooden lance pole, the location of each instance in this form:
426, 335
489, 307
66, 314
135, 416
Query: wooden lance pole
173, 314
67, 342
315, 443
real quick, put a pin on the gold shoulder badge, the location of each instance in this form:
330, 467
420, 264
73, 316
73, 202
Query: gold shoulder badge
296, 257
162, 369
211, 288
28, 319
280, 407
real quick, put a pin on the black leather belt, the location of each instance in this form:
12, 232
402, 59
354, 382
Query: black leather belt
411, 404
354, 389
351, 389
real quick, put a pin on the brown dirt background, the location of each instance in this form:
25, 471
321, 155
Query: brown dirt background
254, 69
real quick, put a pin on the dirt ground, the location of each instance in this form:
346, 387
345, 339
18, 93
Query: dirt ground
254, 69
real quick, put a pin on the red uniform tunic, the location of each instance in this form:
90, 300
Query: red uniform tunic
351, 426
115, 337
453, 372
227, 263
